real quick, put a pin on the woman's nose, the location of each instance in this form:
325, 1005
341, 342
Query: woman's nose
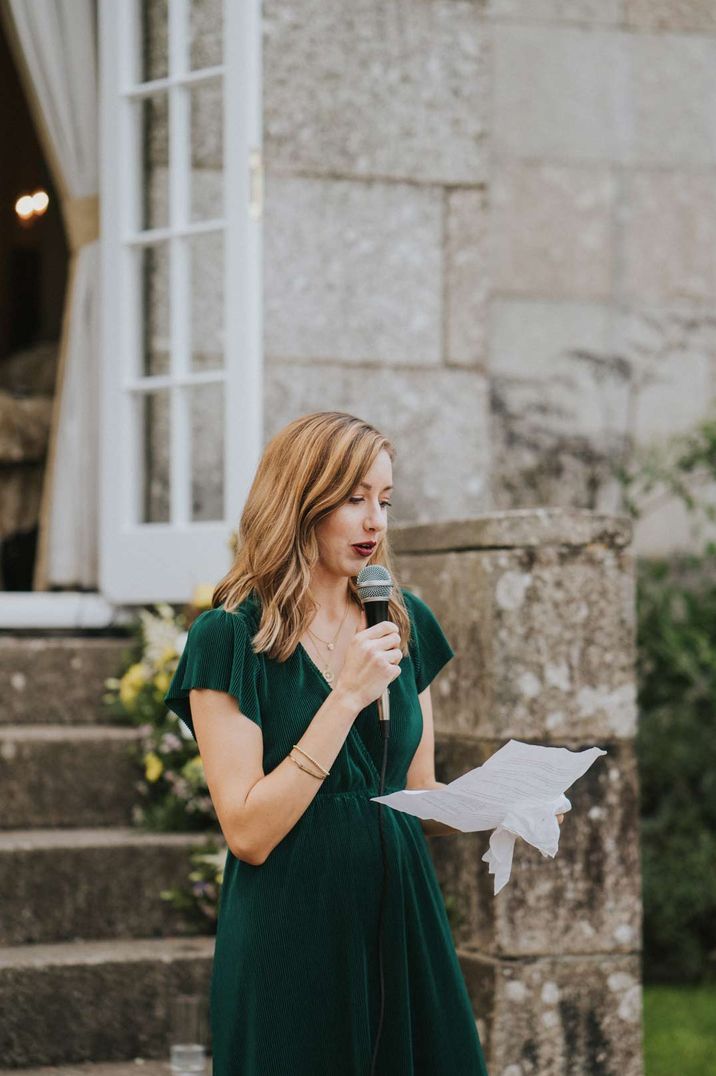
374, 520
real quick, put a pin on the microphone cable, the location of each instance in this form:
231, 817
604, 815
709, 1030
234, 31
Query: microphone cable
375, 586
385, 729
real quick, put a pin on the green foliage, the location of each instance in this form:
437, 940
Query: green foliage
676, 748
676, 468
676, 745
171, 786
200, 898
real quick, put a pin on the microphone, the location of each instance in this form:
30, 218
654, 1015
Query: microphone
374, 589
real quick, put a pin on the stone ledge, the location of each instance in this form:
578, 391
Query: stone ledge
54, 776
513, 529
66, 1002
99, 883
138, 1066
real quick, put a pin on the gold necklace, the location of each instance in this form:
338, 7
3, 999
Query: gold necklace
328, 672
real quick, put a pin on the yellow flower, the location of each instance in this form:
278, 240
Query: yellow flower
131, 684
162, 681
203, 593
193, 770
153, 766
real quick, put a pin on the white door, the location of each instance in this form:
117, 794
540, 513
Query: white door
181, 361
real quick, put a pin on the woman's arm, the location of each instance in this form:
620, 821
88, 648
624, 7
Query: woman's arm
431, 826
257, 810
421, 772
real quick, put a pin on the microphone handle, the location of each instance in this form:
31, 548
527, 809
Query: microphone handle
376, 610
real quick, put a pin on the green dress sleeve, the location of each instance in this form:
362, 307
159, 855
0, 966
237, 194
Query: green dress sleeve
429, 648
217, 654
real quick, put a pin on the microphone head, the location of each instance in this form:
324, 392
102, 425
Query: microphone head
374, 583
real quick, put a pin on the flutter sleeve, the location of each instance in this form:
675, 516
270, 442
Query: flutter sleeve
217, 654
429, 648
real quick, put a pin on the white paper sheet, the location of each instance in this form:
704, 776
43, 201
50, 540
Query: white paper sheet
517, 792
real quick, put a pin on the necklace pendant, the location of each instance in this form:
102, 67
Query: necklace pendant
328, 675
331, 646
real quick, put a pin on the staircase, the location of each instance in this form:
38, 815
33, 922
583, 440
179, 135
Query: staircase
90, 955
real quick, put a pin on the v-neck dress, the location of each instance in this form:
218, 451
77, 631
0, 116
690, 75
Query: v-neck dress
295, 982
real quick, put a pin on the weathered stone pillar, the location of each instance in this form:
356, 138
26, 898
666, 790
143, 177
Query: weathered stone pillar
539, 607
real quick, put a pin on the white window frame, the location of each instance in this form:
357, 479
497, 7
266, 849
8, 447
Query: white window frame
146, 562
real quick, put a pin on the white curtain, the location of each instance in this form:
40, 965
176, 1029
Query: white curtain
55, 46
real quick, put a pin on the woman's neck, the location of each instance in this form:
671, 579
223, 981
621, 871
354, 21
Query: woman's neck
332, 600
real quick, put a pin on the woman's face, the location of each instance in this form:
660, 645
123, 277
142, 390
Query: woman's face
362, 518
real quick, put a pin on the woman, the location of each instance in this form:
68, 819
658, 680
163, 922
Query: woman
278, 683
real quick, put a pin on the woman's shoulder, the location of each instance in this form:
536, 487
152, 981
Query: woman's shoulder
429, 647
415, 605
220, 621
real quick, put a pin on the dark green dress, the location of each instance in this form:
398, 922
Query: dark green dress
295, 987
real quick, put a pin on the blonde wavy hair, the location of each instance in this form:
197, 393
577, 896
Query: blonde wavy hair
306, 471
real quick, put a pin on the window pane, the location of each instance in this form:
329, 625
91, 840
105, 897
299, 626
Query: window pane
155, 39
206, 253
205, 33
154, 480
154, 134
155, 298
207, 153
207, 452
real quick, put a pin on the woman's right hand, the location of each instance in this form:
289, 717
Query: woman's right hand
372, 662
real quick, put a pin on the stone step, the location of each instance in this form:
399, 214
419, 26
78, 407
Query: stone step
59, 679
53, 775
67, 884
97, 1000
137, 1066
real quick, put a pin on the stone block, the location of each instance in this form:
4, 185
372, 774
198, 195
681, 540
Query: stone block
669, 237
553, 366
352, 271
539, 608
592, 12
670, 354
585, 900
359, 88
468, 272
544, 640
560, 91
104, 1000
674, 98
551, 229
436, 419
79, 776
573, 381
550, 1016
67, 884
684, 15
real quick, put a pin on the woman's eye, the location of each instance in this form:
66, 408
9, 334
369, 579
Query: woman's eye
383, 504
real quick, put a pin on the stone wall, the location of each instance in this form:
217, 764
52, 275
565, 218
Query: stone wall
539, 608
376, 131
488, 229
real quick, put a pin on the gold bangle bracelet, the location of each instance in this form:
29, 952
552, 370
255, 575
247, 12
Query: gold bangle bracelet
305, 769
325, 772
